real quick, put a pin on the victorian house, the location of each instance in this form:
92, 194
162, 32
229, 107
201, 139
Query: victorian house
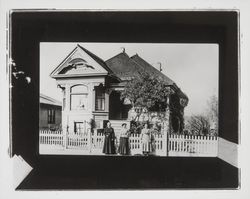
91, 88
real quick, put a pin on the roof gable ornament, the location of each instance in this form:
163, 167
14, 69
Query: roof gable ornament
80, 62
75, 64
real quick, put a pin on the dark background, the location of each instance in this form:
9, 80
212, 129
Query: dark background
89, 172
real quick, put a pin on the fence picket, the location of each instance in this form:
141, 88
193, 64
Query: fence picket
177, 144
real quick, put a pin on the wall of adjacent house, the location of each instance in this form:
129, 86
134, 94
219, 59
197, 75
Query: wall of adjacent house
43, 116
58, 119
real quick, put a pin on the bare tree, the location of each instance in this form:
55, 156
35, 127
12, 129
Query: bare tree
207, 123
199, 125
213, 108
213, 114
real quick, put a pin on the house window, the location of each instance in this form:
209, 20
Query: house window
100, 100
78, 127
51, 116
78, 97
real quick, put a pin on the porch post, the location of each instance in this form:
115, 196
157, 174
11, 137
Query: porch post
93, 96
67, 96
89, 140
64, 138
65, 133
66, 115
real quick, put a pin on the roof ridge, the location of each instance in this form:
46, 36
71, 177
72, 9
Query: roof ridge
136, 62
117, 56
155, 70
136, 55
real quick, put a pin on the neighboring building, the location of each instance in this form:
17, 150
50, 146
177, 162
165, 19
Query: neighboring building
50, 113
90, 87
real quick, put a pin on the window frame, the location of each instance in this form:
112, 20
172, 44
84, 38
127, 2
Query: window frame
74, 93
81, 130
51, 116
102, 98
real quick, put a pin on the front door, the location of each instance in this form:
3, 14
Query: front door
117, 110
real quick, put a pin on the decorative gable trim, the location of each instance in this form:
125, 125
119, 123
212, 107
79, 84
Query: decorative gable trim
80, 64
53, 73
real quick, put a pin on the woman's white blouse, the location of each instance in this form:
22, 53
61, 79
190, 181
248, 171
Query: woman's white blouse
124, 133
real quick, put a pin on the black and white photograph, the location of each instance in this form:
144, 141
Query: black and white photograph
136, 99
124, 99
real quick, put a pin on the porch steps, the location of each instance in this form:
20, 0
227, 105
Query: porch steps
117, 125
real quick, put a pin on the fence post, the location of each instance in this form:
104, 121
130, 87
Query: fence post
167, 145
89, 139
167, 127
65, 132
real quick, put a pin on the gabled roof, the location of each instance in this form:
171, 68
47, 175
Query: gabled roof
86, 60
126, 67
149, 68
123, 66
44, 99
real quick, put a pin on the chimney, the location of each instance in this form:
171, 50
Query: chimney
160, 66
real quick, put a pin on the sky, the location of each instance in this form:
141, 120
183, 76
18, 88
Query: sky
193, 67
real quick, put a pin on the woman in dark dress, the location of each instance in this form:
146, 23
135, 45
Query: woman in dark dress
124, 148
109, 140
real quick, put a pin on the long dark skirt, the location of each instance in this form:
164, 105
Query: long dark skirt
109, 146
124, 148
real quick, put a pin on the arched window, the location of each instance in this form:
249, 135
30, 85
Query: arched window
78, 97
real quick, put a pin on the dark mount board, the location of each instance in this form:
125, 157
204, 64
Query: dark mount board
89, 172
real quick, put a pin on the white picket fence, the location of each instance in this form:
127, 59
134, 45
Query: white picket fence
164, 145
48, 137
188, 145
78, 141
